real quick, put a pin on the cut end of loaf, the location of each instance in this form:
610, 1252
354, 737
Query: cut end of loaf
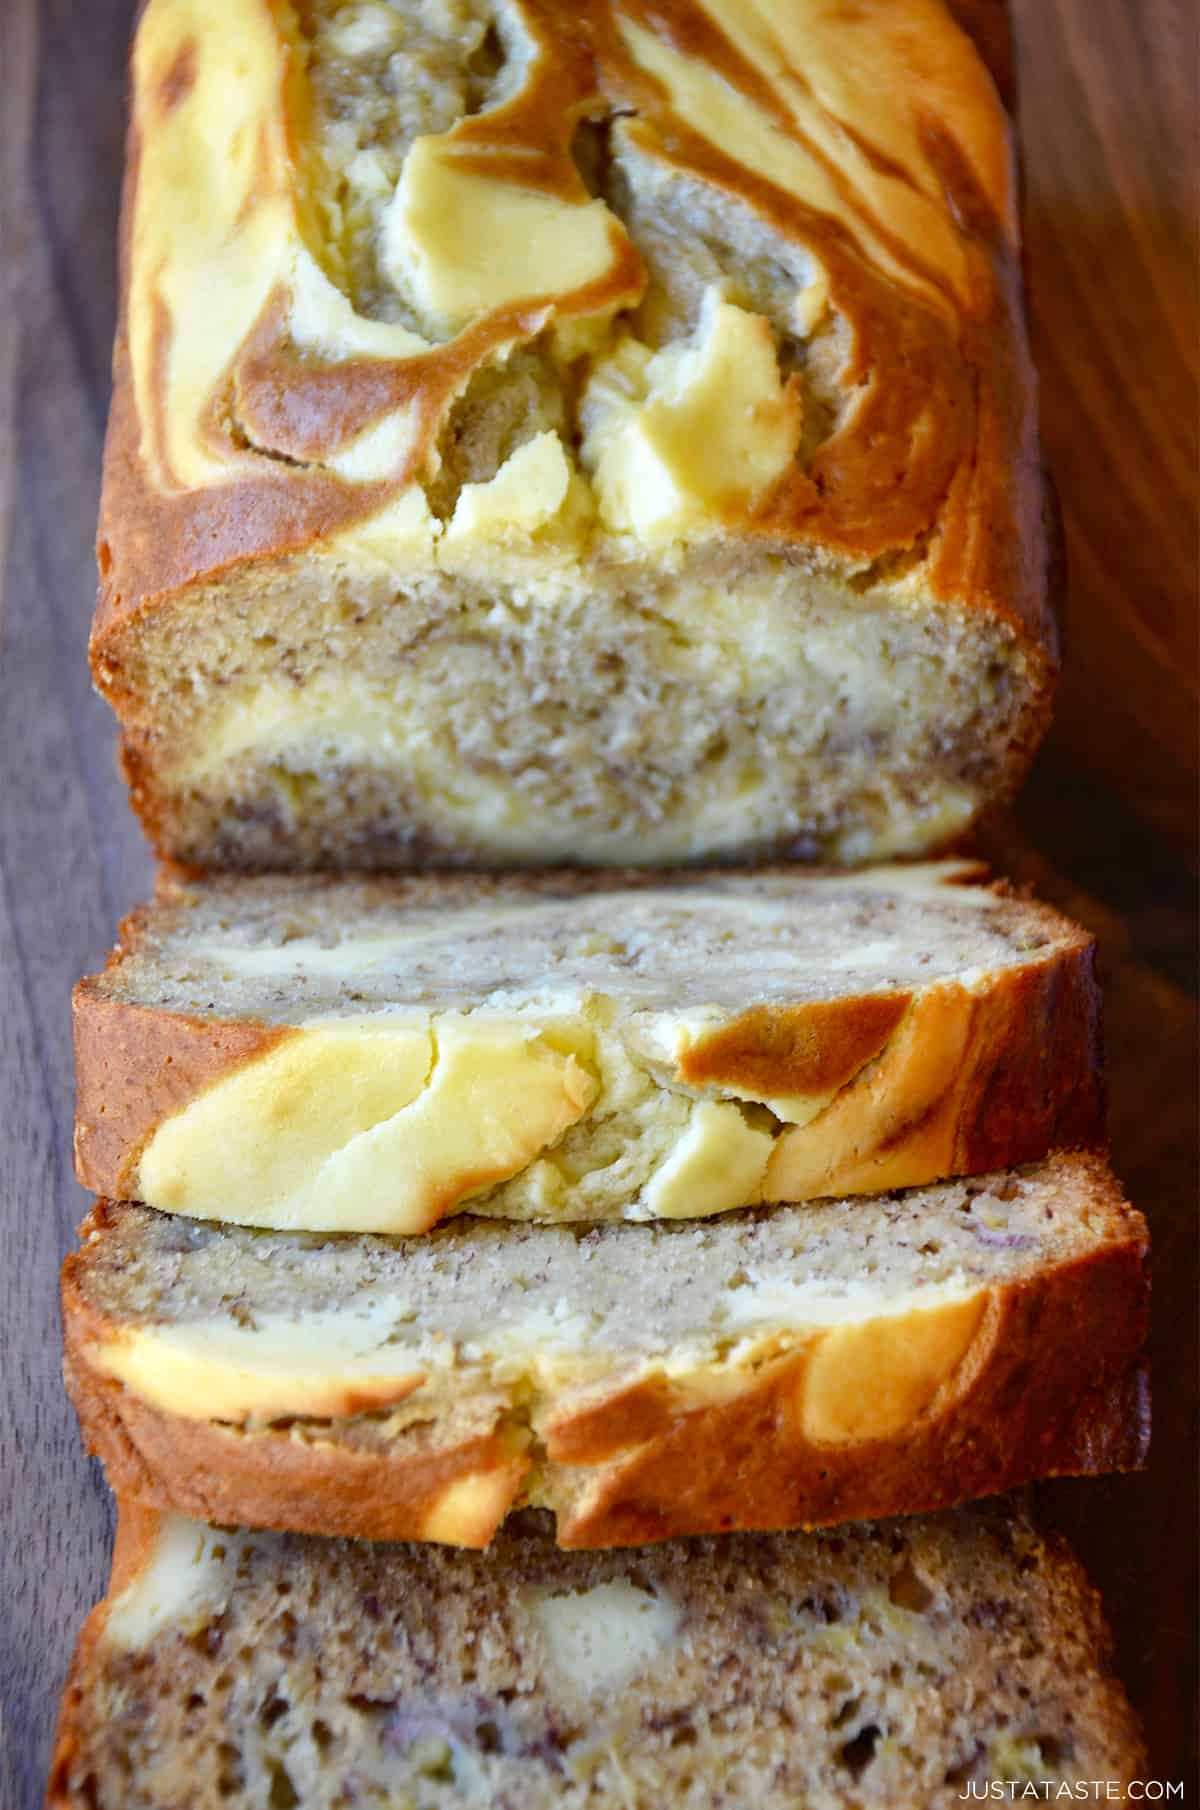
327, 716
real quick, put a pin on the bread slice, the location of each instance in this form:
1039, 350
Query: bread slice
902, 1664
372, 1056
775, 1369
570, 432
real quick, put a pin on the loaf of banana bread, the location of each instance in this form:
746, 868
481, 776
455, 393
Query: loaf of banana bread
569, 430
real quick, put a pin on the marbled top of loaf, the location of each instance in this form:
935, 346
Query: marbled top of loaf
598, 276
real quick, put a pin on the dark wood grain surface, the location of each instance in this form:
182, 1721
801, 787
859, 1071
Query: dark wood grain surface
1107, 827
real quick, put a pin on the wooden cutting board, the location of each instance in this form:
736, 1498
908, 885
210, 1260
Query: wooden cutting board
1107, 828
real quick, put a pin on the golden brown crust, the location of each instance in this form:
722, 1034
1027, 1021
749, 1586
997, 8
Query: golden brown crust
138, 1528
221, 1474
989, 26
1022, 1074
1037, 1403
315, 1484
804, 1049
1052, 1385
946, 387
71, 1710
134, 1067
974, 1080
1035, 1080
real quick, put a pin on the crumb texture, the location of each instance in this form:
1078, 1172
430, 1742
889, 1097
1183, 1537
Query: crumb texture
284, 951
887, 1664
618, 1293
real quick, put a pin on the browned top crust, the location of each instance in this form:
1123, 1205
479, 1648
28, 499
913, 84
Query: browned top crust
888, 102
989, 26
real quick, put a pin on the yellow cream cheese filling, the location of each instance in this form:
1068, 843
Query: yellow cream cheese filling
603, 1638
673, 437
873, 1364
283, 733
188, 1570
389, 1120
872, 1379
328, 1364
376, 1124
464, 244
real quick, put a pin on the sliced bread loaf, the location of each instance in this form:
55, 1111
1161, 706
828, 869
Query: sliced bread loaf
616, 439
774, 1369
889, 1666
369, 1057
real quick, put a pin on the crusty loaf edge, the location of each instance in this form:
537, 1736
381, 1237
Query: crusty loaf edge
1030, 1080
137, 1530
996, 551
1054, 1385
988, 24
